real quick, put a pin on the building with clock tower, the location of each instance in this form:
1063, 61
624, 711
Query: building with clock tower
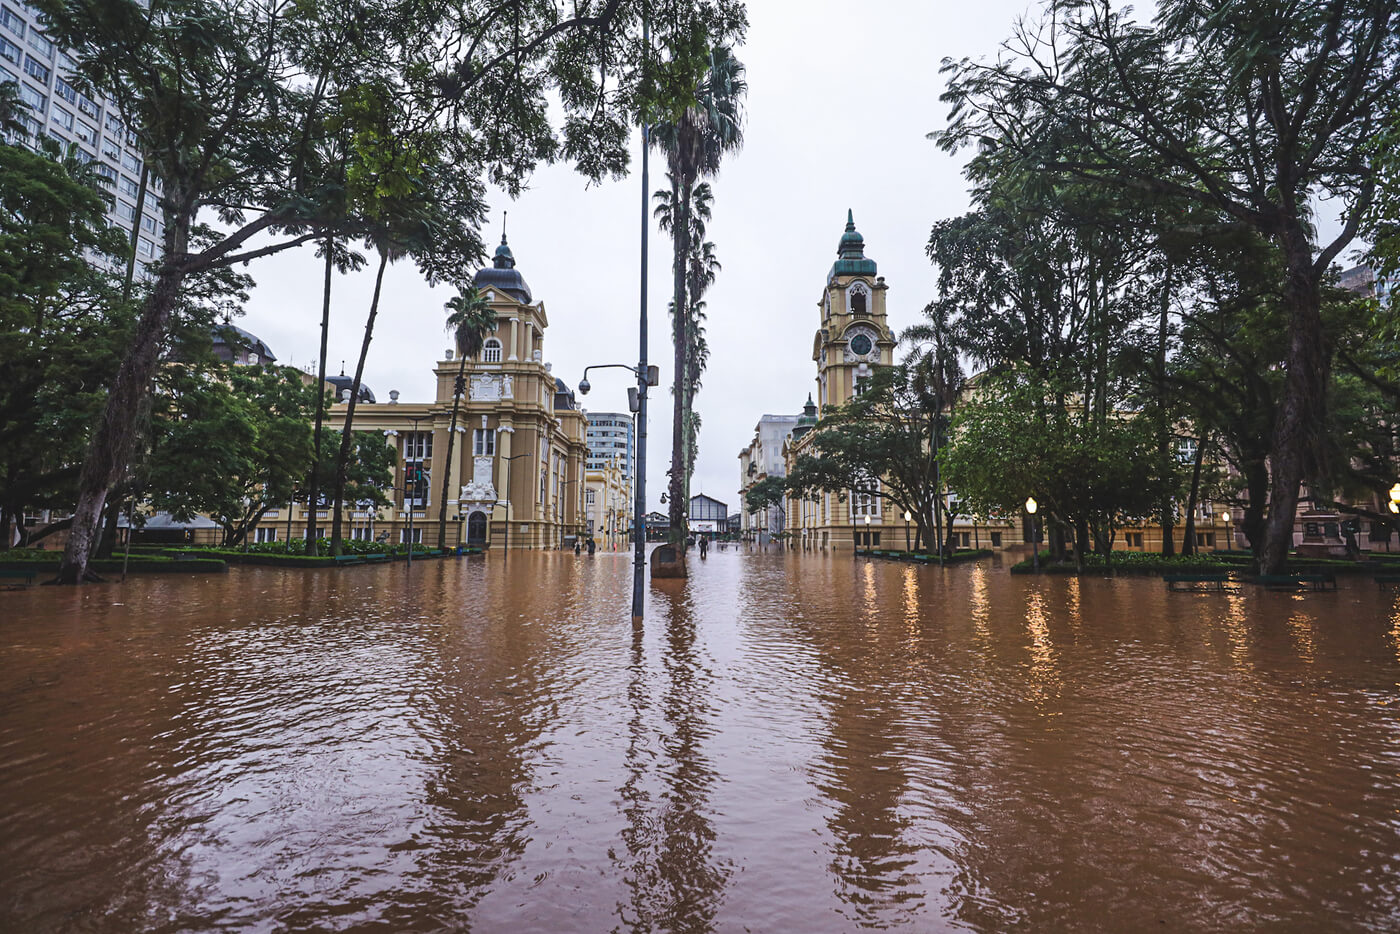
854, 336
853, 339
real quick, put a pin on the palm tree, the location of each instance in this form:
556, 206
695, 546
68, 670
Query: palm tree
471, 318
939, 380
694, 142
701, 269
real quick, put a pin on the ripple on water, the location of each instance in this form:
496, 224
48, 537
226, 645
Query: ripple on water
789, 742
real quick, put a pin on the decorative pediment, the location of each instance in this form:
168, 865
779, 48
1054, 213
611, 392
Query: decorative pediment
491, 387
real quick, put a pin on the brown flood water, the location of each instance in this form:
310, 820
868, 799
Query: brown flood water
789, 743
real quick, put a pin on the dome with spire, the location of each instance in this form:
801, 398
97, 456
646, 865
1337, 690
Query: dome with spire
850, 252
502, 275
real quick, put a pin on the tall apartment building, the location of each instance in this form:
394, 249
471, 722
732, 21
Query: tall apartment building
57, 109
611, 434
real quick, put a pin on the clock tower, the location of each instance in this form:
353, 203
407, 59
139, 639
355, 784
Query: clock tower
854, 337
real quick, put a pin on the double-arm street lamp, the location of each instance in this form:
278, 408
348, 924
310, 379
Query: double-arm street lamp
637, 404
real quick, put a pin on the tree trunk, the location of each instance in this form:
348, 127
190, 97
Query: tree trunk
1188, 538
347, 436
1164, 464
680, 237
313, 486
1303, 410
110, 447
451, 443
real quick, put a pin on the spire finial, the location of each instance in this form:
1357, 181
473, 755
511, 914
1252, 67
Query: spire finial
850, 219
504, 215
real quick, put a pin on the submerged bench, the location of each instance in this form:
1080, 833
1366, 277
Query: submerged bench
22, 574
1297, 581
1388, 580
349, 559
1182, 582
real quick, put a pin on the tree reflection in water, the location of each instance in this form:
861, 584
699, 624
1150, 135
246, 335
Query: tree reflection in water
674, 880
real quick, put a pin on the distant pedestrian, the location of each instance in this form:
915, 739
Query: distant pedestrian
576, 547
592, 546
704, 545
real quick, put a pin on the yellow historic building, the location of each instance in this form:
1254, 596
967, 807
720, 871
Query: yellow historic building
853, 338
607, 503
516, 476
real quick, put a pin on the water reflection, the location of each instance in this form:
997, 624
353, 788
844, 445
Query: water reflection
789, 742
674, 881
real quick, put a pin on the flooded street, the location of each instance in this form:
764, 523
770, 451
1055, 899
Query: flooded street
788, 743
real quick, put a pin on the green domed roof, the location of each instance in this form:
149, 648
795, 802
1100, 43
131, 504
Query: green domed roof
850, 252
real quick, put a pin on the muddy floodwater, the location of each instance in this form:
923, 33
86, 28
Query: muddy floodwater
788, 743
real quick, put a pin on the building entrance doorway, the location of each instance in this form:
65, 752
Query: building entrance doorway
476, 528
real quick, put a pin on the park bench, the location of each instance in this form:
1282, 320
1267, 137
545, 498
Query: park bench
19, 574
1196, 582
1388, 580
1297, 581
342, 560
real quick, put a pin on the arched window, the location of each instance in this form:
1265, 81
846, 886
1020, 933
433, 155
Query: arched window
858, 299
491, 351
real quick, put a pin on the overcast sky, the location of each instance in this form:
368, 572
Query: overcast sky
841, 96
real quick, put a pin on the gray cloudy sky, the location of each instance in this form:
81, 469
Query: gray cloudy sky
841, 96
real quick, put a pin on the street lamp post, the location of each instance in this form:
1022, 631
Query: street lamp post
907, 516
637, 403
868, 545
1031, 507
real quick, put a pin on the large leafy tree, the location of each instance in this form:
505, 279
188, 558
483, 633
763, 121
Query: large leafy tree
880, 443
61, 319
225, 99
1010, 442
694, 137
1252, 112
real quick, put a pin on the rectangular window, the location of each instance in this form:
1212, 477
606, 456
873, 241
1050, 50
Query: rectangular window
34, 99
114, 125
964, 539
64, 90
126, 212
9, 51
484, 442
145, 247
111, 150
996, 539
865, 504
39, 43
417, 536
1205, 539
148, 224
132, 163
62, 117
86, 133
11, 21
107, 172
36, 69
1133, 539
87, 106
128, 186
266, 534
590, 497
418, 445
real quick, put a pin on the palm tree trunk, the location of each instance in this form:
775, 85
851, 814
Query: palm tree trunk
313, 487
347, 435
680, 236
451, 442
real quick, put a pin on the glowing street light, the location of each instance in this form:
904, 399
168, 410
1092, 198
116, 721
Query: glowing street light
907, 517
1031, 507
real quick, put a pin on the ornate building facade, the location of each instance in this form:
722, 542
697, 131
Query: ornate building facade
516, 475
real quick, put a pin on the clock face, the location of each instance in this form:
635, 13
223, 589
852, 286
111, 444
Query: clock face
861, 345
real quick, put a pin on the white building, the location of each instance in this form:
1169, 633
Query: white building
610, 435
57, 109
764, 458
